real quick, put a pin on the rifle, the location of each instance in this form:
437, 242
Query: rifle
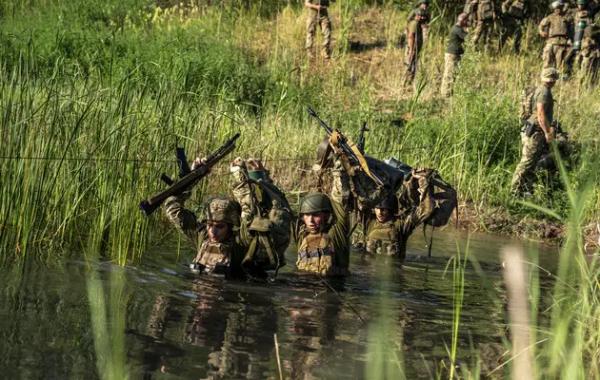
361, 137
348, 148
188, 179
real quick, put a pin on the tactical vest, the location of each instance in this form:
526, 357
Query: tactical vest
382, 239
559, 29
517, 9
316, 254
214, 257
485, 10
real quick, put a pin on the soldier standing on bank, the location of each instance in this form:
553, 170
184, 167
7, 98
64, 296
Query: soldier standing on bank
454, 53
424, 6
485, 19
557, 30
514, 13
590, 55
537, 132
318, 15
414, 35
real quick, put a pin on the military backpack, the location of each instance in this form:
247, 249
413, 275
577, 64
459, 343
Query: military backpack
526, 105
485, 10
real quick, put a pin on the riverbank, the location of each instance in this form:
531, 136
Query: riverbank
95, 99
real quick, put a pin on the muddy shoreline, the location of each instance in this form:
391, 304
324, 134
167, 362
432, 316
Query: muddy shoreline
499, 221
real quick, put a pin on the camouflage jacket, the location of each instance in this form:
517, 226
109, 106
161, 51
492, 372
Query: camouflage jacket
328, 252
390, 238
223, 258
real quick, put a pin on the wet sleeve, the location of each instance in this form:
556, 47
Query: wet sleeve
416, 214
340, 234
182, 218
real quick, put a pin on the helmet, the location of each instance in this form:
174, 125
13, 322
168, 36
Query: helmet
390, 202
582, 2
423, 2
549, 75
314, 203
557, 4
222, 209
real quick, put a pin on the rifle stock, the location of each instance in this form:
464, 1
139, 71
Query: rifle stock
150, 205
349, 149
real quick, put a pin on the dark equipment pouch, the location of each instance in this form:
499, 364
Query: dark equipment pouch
529, 128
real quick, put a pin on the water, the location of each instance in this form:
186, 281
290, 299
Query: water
179, 325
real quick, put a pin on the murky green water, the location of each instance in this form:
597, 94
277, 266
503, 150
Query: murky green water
179, 325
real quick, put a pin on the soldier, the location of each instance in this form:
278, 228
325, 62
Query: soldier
454, 53
388, 232
557, 29
323, 231
590, 54
225, 243
424, 6
536, 133
513, 16
414, 35
318, 15
485, 18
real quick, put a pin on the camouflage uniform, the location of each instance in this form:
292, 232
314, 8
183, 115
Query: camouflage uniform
485, 22
327, 252
390, 237
513, 16
321, 18
262, 222
213, 257
534, 143
590, 55
558, 29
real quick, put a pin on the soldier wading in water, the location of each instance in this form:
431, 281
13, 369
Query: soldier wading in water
232, 239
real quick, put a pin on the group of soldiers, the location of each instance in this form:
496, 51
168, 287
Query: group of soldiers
572, 38
247, 233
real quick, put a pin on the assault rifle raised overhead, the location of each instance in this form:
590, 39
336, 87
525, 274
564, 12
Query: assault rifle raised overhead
348, 149
189, 178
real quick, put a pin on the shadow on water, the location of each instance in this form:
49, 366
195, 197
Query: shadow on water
178, 325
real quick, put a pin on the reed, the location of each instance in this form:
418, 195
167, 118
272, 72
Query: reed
95, 100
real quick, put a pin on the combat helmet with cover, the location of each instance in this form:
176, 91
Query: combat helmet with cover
315, 203
222, 209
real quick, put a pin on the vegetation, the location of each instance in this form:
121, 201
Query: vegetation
96, 95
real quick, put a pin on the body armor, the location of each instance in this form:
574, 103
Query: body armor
214, 257
316, 253
382, 239
558, 29
516, 9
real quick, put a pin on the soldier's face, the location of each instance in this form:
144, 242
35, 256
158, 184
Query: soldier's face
218, 232
382, 215
315, 222
424, 6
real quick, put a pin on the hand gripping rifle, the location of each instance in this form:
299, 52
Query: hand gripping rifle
189, 179
348, 149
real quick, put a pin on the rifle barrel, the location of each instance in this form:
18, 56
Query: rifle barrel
149, 205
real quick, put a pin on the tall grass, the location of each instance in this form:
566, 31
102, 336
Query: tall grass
95, 98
